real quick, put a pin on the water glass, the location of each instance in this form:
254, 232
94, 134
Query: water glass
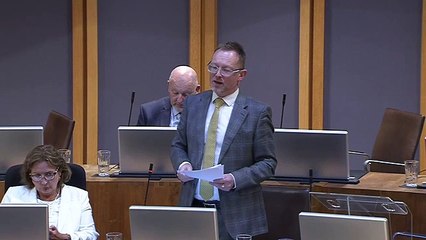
104, 159
114, 236
411, 172
65, 154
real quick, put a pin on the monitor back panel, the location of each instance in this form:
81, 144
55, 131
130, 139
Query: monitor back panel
16, 143
322, 226
163, 223
24, 221
141, 146
324, 152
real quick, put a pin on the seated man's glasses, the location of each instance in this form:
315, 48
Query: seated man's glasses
48, 176
224, 72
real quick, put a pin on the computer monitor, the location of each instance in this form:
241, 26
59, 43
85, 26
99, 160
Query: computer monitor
16, 143
324, 226
321, 155
24, 221
161, 222
140, 146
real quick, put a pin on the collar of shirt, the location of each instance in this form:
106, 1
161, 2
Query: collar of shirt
174, 112
230, 99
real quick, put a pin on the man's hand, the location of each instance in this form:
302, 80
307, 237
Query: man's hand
181, 172
225, 184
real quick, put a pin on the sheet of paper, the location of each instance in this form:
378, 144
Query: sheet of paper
207, 174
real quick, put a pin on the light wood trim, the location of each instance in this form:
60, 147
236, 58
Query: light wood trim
195, 30
318, 65
209, 39
78, 66
423, 86
92, 81
305, 64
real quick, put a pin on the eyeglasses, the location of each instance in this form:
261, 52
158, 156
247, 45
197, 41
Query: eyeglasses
225, 72
48, 176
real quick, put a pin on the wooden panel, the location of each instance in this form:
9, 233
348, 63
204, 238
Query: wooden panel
305, 64
195, 31
209, 39
92, 82
318, 65
78, 62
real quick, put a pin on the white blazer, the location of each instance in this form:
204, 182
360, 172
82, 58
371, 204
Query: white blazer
75, 213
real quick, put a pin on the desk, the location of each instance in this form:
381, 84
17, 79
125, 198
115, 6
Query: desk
388, 185
111, 197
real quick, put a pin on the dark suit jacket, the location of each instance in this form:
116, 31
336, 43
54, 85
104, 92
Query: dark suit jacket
247, 153
155, 113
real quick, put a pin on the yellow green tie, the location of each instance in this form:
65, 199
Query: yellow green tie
206, 190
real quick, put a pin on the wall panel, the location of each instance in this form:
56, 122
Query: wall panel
372, 61
269, 32
140, 42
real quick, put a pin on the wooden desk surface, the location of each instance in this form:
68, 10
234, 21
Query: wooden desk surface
111, 198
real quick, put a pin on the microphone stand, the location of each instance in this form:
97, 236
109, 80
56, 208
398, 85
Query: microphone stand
132, 100
151, 166
282, 110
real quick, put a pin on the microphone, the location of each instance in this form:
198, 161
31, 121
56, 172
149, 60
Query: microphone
131, 107
151, 166
282, 110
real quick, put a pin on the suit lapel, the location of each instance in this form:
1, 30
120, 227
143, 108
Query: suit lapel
200, 118
165, 112
239, 114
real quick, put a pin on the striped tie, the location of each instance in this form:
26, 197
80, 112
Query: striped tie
206, 190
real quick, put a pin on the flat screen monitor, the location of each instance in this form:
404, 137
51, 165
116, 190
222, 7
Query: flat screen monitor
161, 223
141, 146
16, 143
320, 154
324, 226
24, 221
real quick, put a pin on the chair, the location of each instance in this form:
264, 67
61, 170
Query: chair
58, 130
78, 176
283, 206
396, 141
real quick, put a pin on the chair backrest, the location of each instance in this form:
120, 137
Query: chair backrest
283, 205
78, 176
397, 139
58, 130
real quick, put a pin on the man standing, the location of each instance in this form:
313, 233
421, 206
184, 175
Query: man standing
224, 127
166, 111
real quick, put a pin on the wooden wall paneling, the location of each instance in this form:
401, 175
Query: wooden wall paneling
78, 62
203, 37
195, 35
92, 82
209, 39
305, 64
318, 65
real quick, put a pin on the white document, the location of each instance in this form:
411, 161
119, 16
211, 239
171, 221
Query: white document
207, 174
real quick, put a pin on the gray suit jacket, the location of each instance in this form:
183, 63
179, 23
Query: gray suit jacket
247, 153
155, 113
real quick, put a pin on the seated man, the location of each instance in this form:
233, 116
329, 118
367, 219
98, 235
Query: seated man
166, 111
